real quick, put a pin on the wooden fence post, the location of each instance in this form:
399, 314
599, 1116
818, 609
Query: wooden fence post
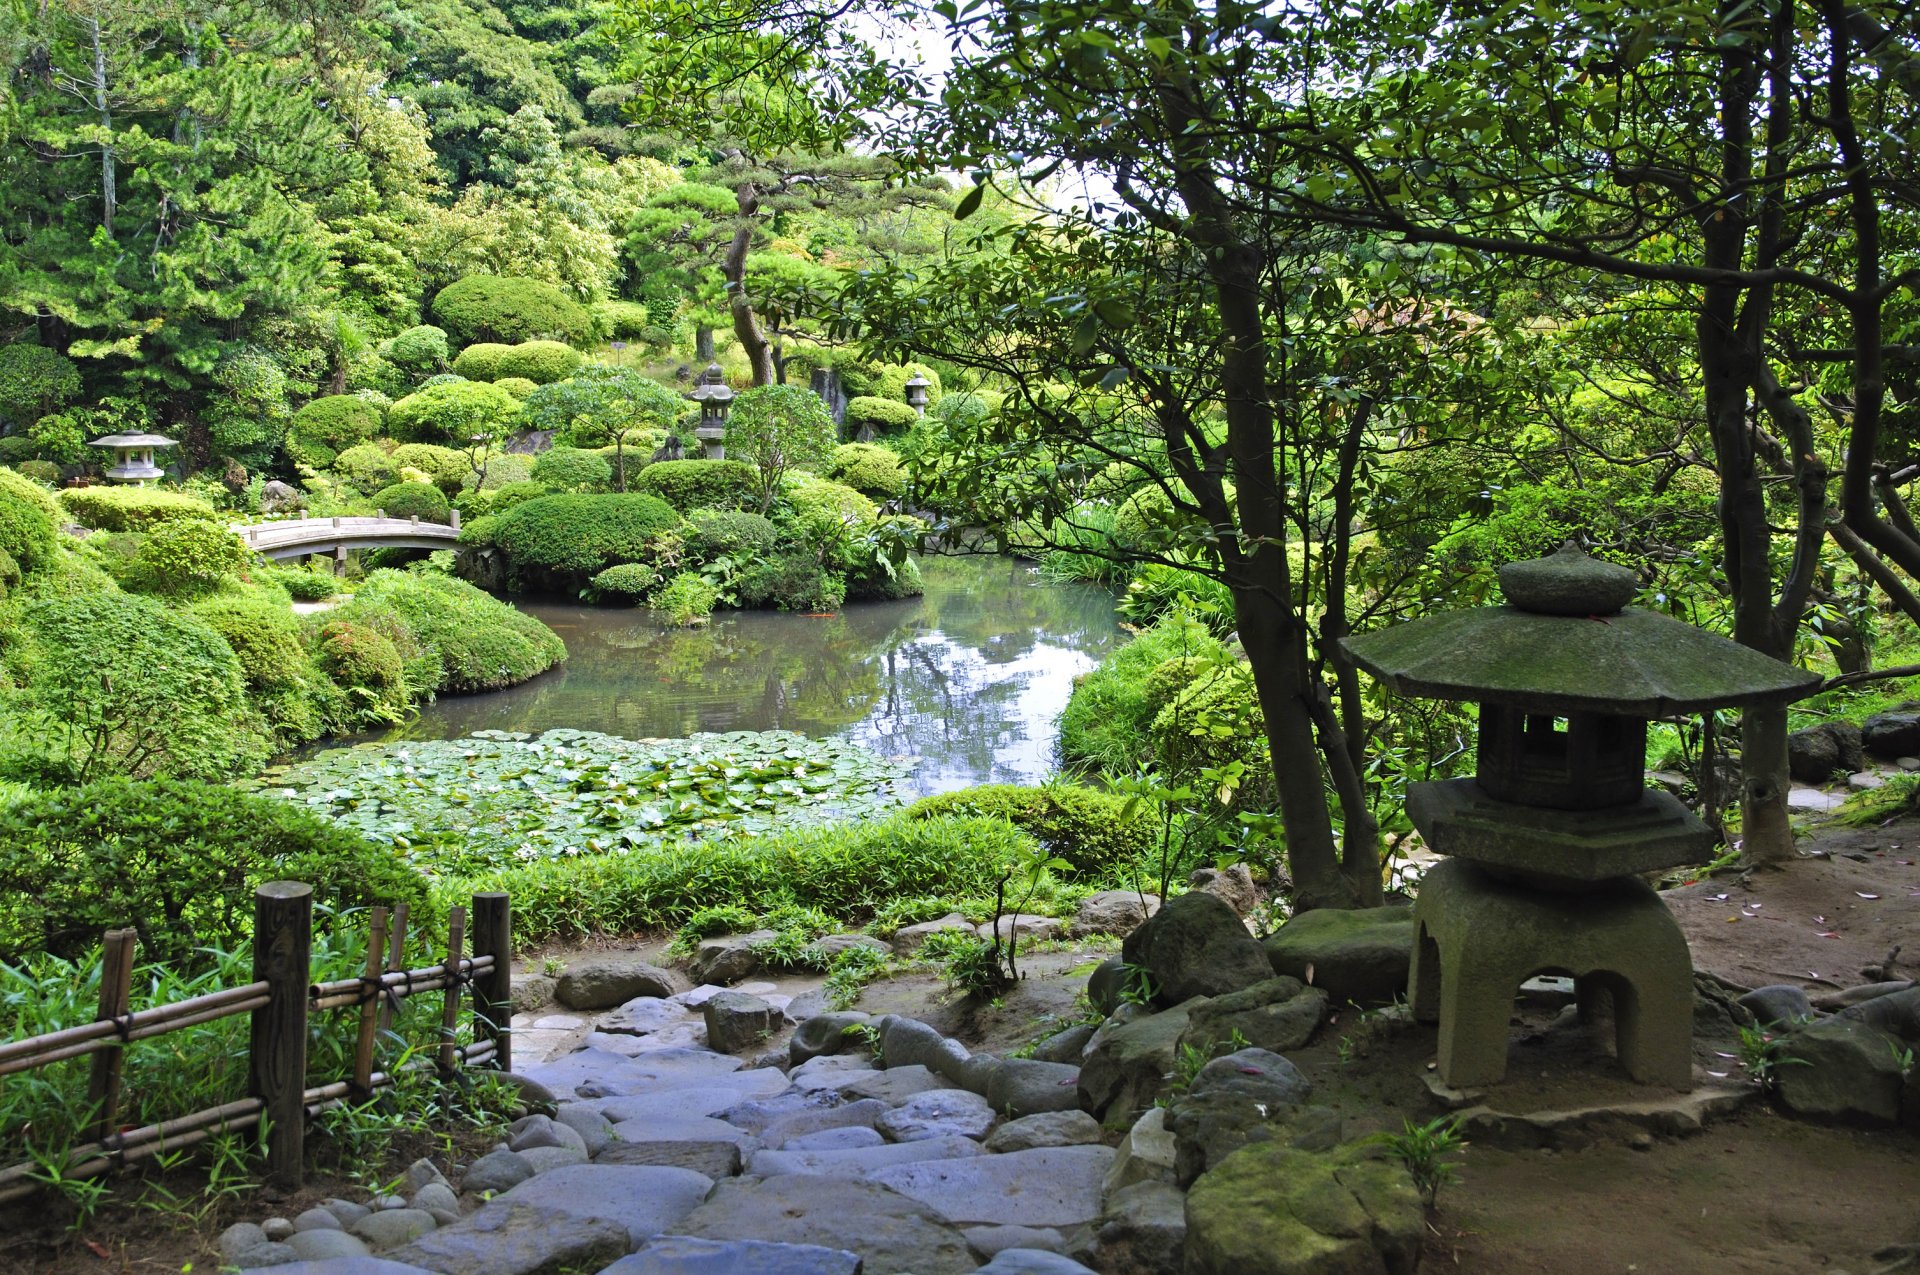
396, 960
277, 1043
493, 991
450, 997
370, 1008
116, 984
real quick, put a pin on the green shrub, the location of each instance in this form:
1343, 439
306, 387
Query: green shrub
367, 666
567, 469
577, 537
491, 308
1109, 717
777, 429
791, 582
368, 372
542, 362
413, 500
847, 870
191, 556
264, 635
717, 533
328, 426
41, 471
421, 350
481, 362
29, 522
1147, 522
246, 413
817, 500
518, 386
1158, 588
35, 381
511, 494
130, 508
628, 582
697, 484
303, 585
367, 467
687, 599
444, 467
479, 642
890, 382
883, 414
505, 469
454, 412
118, 683
1089, 829
869, 469
621, 320
1207, 713
15, 448
177, 860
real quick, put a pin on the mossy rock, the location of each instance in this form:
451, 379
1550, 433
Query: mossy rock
1269, 1209
1361, 955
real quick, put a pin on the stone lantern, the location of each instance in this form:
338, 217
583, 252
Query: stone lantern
133, 456
917, 394
715, 398
1545, 843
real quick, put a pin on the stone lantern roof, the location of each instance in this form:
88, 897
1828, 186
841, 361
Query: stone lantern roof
133, 456
1567, 643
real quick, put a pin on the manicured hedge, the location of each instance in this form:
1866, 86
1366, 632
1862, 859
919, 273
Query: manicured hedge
688, 485
130, 508
481, 360
580, 536
542, 362
479, 642
493, 308
881, 413
413, 500
569, 469
29, 533
869, 469
453, 412
328, 426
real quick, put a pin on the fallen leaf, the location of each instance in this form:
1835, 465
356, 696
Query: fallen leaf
1733, 918
1718, 1054
1828, 934
1719, 1075
1866, 896
100, 1250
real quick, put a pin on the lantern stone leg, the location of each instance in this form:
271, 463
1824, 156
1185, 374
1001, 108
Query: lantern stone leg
1477, 938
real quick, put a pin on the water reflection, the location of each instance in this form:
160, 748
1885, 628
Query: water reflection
967, 680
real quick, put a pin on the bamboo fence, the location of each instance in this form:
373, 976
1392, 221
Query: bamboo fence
280, 1000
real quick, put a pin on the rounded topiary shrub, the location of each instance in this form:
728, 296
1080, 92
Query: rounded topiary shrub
264, 635
471, 641
628, 582
444, 467
504, 468
453, 412
577, 537
29, 532
131, 508
715, 533
413, 500
481, 360
518, 386
869, 469
421, 350
508, 495
542, 362
367, 467
495, 308
569, 469
41, 471
177, 860
363, 660
190, 556
697, 484
883, 414
328, 426
890, 381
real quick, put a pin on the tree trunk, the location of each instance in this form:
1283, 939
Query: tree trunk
746, 324
109, 193
703, 348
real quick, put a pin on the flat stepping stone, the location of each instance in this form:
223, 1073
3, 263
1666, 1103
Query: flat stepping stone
859, 1162
830, 1071
989, 1240
894, 1085
512, 1238
693, 1100
890, 1232
938, 1113
340, 1266
676, 1128
684, 1255
714, 1159
1032, 1261
646, 1199
642, 1015
759, 1114
687, 1035
1049, 1186
844, 1139
864, 1114
1048, 1129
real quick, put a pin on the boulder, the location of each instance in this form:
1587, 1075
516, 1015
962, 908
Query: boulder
1274, 1210
824, 1035
335, 1247
1196, 946
834, 944
390, 1228
603, 984
1248, 1096
1128, 1063
1278, 1015
1051, 1186
683, 1255
531, 992
1360, 955
1841, 1070
778, 1129
585, 1119
1066, 1046
1233, 886
909, 938
713, 1158
889, 1231
1891, 736
908, 1042
1021, 928
729, 958
1115, 912
1019, 1087
646, 1199
496, 1171
1777, 1003
1144, 1155
533, 1132
1897, 1012
278, 497
1106, 984
893, 1086
938, 1113
518, 1239
1048, 1129
644, 1016
1142, 1230
736, 1021
1816, 753
859, 1162
990, 1240
846, 1139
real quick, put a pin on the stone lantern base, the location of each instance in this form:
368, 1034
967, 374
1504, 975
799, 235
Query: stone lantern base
1477, 938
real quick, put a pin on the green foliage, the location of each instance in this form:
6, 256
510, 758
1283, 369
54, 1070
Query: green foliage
687, 599
303, 585
328, 426
1108, 720
481, 361
413, 500
41, 471
705, 923
1207, 714
35, 381
477, 642
974, 966
570, 470
795, 581
365, 664
444, 467
688, 485
1158, 589
28, 522
850, 970
495, 798
367, 467
622, 320
1424, 1149
869, 469
420, 350
130, 508
176, 859
717, 533
368, 373
518, 386
454, 412
541, 362
883, 414
775, 429
246, 414
890, 382
577, 537
1092, 830
187, 557
490, 308
628, 582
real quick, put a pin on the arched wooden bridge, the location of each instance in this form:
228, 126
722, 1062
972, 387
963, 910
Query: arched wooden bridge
300, 537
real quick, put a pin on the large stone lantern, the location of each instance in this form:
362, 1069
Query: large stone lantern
715, 398
1546, 842
917, 387
133, 456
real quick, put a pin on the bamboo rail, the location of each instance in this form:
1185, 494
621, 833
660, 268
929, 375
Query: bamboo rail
279, 1001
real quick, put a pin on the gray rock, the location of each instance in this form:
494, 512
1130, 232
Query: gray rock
646, 1199
518, 1239
890, 1232
342, 1266
1897, 1012
1271, 1209
604, 983
530, 1132
729, 958
531, 992
836, 1139
644, 1015
1019, 1087
241, 1237
267, 1254
783, 1128
1032, 1261
1841, 1070
894, 1085
585, 1119
380, 1202
1065, 1046
1105, 985
736, 1021
908, 1042
684, 1255
320, 1246
859, 1162
672, 1128
991, 1240
715, 1158
1129, 1062
1142, 1230
834, 944
347, 1211
1359, 955
938, 1113
1021, 928
1814, 754
390, 1228
1196, 946
1777, 1003
1051, 1186
1278, 1015
424, 1172
1115, 912
909, 938
1048, 1129
547, 1159
436, 1198
278, 497
277, 1229
317, 1219
705, 1096
825, 1035
1891, 736
1233, 886
1146, 1154
830, 1071
1251, 1095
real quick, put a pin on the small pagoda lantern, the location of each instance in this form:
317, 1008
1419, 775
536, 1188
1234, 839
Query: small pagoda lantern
133, 456
715, 398
917, 387
1546, 843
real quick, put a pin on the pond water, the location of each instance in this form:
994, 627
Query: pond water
965, 681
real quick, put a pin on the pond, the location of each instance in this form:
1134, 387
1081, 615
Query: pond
964, 682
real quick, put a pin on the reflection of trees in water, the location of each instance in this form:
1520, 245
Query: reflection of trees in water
947, 677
